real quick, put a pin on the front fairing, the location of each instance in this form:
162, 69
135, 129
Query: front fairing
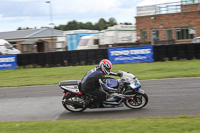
135, 83
131, 79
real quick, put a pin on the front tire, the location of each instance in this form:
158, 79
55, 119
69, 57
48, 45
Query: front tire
139, 101
73, 97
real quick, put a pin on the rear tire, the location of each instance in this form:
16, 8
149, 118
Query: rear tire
139, 101
73, 97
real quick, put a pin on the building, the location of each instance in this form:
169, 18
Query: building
168, 23
33, 40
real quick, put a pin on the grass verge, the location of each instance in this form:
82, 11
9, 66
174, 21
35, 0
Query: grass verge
182, 124
43, 76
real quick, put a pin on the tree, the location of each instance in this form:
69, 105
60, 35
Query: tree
112, 22
126, 23
20, 28
102, 24
72, 25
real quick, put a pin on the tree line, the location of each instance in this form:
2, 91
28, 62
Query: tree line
102, 24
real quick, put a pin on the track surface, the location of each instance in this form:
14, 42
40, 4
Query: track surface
167, 97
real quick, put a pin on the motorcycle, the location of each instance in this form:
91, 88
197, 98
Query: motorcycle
130, 94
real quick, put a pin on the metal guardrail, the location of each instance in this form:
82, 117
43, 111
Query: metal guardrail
173, 7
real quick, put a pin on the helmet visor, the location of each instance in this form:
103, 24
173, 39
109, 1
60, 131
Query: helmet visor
108, 69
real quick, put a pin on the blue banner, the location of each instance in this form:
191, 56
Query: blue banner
8, 62
131, 55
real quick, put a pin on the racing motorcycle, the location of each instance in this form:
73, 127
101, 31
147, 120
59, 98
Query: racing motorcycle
130, 94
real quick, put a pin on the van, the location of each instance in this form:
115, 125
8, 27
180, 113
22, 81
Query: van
196, 40
7, 48
89, 42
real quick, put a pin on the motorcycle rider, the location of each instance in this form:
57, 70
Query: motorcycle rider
95, 78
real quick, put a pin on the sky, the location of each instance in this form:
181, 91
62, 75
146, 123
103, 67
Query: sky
36, 13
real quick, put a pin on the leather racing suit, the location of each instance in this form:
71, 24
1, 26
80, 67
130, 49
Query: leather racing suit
93, 80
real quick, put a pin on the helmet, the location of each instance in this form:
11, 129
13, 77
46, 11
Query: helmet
105, 66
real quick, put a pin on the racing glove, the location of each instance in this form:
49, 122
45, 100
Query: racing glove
119, 74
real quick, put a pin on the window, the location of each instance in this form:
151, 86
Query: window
96, 41
26, 48
155, 35
83, 42
185, 2
144, 35
183, 34
168, 34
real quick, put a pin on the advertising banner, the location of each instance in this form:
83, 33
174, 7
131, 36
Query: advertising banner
131, 55
8, 62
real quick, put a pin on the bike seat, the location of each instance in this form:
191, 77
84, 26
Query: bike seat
69, 83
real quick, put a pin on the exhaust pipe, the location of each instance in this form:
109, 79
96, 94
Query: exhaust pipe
73, 103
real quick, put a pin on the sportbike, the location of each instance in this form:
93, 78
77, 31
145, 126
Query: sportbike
129, 94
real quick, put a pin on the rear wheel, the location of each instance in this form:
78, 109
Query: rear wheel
139, 101
75, 98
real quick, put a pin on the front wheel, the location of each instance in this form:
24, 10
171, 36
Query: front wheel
139, 101
72, 97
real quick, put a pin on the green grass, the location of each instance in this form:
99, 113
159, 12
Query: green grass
139, 125
39, 76
43, 76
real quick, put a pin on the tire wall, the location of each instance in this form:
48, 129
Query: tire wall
177, 52
89, 57
64, 58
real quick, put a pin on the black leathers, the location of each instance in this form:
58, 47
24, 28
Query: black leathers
90, 83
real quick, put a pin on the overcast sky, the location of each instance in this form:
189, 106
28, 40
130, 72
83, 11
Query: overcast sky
36, 13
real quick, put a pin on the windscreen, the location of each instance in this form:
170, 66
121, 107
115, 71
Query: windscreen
83, 42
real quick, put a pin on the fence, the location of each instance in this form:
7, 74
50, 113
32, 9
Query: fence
88, 57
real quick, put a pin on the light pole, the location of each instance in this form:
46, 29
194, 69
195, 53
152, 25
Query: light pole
51, 23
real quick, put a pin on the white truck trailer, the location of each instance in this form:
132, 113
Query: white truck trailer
118, 34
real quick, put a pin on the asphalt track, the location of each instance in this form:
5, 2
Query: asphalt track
167, 97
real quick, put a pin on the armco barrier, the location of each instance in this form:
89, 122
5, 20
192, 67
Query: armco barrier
88, 57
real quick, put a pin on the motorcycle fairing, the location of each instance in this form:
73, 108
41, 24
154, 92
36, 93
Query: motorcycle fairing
71, 85
72, 88
111, 82
69, 82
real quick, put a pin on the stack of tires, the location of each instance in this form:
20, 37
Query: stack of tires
197, 50
90, 57
33, 59
160, 52
74, 61
41, 59
171, 52
49, 59
57, 59
65, 58
181, 51
101, 54
82, 55
190, 51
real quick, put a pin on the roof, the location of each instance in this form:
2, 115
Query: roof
30, 33
32, 41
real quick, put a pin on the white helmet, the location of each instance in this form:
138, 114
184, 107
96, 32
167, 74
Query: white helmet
105, 66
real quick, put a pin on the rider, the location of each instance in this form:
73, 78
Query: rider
95, 78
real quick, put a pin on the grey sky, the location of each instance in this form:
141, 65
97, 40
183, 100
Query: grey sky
35, 13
